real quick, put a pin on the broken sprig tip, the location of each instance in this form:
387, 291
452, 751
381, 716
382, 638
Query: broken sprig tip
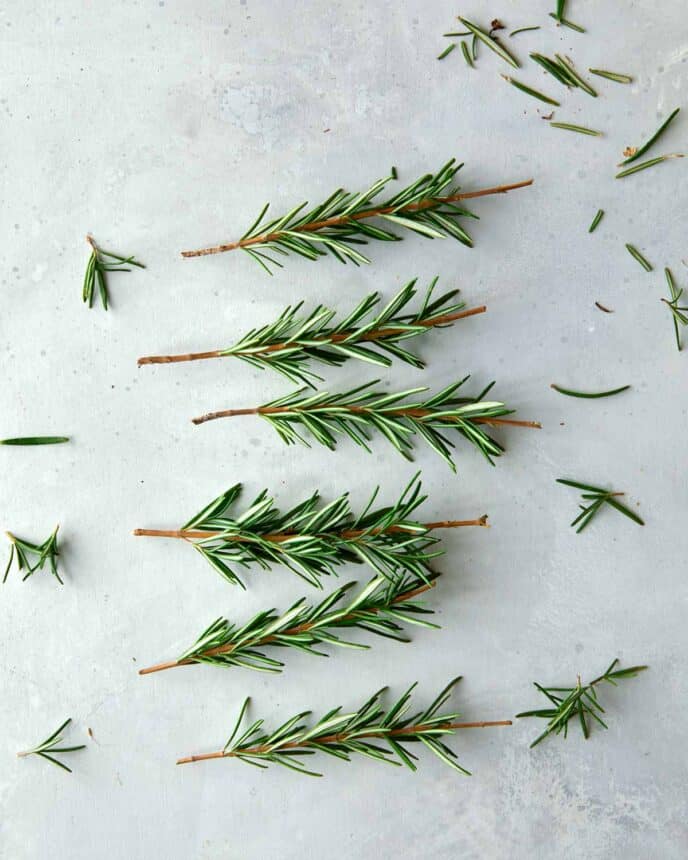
597, 498
49, 748
32, 556
589, 394
99, 263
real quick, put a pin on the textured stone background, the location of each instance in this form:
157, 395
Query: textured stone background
164, 125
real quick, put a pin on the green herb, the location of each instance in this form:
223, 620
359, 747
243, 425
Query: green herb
48, 749
578, 702
597, 498
99, 263
645, 164
612, 76
291, 343
491, 43
589, 395
678, 313
311, 539
447, 51
565, 23
427, 206
35, 440
466, 54
523, 30
382, 607
579, 128
530, 91
360, 411
32, 557
637, 153
559, 14
566, 63
452, 35
596, 220
379, 733
635, 253
563, 70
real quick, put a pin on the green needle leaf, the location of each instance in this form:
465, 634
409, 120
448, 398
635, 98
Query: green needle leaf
530, 91
645, 164
635, 253
491, 43
35, 440
589, 395
660, 131
596, 220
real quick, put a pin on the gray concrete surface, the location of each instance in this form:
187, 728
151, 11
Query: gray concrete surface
164, 125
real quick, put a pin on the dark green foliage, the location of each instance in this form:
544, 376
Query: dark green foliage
597, 498
640, 151
678, 312
35, 440
48, 748
32, 557
99, 263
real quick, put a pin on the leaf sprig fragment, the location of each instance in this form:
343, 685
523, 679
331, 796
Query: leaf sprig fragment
99, 263
428, 206
49, 748
398, 417
311, 539
35, 440
564, 71
536, 94
592, 395
641, 150
577, 702
489, 41
372, 730
597, 497
291, 343
678, 312
382, 607
32, 556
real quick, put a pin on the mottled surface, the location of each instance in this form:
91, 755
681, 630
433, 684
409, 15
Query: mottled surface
165, 125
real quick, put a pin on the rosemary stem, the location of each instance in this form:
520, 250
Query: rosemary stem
376, 334
483, 724
369, 213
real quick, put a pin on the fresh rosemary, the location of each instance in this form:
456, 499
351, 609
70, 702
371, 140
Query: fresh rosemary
567, 126
49, 748
312, 540
522, 30
360, 411
612, 76
678, 312
292, 342
382, 607
466, 54
636, 153
492, 43
645, 164
32, 556
379, 733
428, 206
564, 71
35, 440
536, 94
596, 220
447, 51
99, 263
587, 394
597, 498
635, 253
579, 701
566, 23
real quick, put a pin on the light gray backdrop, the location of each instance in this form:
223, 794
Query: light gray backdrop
165, 125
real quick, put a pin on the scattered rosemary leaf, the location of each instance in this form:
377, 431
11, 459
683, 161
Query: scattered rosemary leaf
678, 313
462, 33
467, 54
561, 6
447, 51
603, 308
474, 48
491, 43
579, 128
644, 148
645, 164
564, 22
554, 68
598, 497
612, 76
596, 220
589, 395
35, 440
635, 253
530, 91
567, 64
522, 30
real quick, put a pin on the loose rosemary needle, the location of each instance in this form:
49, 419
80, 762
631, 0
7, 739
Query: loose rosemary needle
447, 51
522, 30
612, 76
567, 126
530, 91
566, 23
35, 440
635, 253
596, 220
637, 153
466, 54
636, 168
597, 498
589, 394
491, 43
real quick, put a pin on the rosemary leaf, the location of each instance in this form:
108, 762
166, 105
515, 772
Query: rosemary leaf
467, 54
660, 131
635, 253
566, 23
612, 76
522, 30
679, 313
645, 164
447, 51
530, 91
590, 395
491, 43
597, 498
48, 748
35, 440
579, 128
596, 220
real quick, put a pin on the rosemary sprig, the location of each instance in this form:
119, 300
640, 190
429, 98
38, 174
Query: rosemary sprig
522, 30
637, 153
581, 129
312, 540
536, 94
382, 607
635, 253
492, 43
678, 312
49, 748
563, 70
99, 263
342, 735
35, 440
612, 76
645, 164
598, 497
32, 556
579, 701
291, 343
596, 220
360, 411
566, 23
587, 394
447, 51
428, 206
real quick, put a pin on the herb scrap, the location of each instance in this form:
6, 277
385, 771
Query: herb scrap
99, 263
35, 440
32, 557
641, 150
635, 253
636, 168
49, 748
596, 220
603, 308
678, 313
612, 76
589, 395
491, 43
530, 91
598, 497
567, 126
